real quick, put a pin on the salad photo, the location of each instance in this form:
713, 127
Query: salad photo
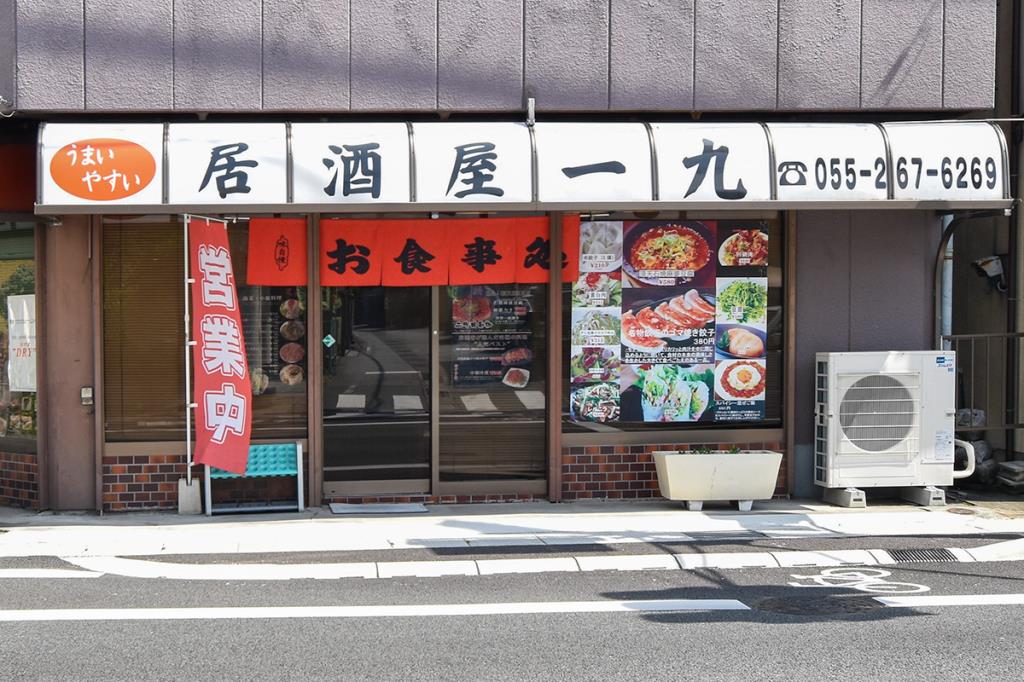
596, 327
743, 300
594, 364
671, 393
597, 290
595, 403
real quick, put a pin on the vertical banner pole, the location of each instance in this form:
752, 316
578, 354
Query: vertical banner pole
188, 362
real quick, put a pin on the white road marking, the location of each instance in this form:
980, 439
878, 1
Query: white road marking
727, 560
425, 569
541, 565
45, 573
838, 557
639, 562
531, 400
351, 401
407, 403
478, 402
136, 568
373, 611
953, 600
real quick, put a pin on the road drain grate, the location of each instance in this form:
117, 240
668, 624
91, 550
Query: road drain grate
818, 605
920, 556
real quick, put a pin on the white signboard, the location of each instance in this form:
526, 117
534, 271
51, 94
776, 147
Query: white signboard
473, 163
593, 162
102, 163
727, 162
829, 161
21, 351
946, 161
227, 163
350, 163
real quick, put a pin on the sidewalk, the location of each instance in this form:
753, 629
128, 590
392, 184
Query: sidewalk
24, 533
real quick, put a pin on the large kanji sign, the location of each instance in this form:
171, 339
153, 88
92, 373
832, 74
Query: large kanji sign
223, 392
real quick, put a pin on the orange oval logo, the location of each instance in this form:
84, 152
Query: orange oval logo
103, 169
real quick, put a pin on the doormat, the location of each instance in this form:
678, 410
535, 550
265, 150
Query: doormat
341, 508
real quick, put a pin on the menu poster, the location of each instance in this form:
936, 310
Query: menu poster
688, 300
492, 335
273, 320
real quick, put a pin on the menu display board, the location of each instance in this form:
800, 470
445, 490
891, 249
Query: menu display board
273, 320
492, 335
669, 322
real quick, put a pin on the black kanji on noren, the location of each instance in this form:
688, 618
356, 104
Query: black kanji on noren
702, 161
223, 163
345, 253
540, 254
480, 253
414, 257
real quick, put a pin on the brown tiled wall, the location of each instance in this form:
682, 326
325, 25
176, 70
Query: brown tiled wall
431, 499
19, 486
627, 471
141, 482
151, 482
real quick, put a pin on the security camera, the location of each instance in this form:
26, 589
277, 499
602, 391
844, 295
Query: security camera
991, 268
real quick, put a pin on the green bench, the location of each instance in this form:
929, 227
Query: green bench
265, 461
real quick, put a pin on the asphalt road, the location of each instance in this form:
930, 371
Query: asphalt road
781, 631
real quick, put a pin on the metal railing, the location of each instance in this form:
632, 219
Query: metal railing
987, 378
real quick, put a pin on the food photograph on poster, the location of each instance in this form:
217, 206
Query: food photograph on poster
689, 301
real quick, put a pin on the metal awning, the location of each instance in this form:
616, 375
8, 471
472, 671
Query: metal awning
506, 166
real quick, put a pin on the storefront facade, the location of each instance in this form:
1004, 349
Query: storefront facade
454, 386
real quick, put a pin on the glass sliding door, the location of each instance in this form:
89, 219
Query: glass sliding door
377, 371
492, 378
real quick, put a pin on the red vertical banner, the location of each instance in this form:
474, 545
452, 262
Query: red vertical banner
533, 250
415, 253
277, 252
481, 251
222, 388
350, 253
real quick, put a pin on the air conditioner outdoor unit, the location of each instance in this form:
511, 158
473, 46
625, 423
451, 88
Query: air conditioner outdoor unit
885, 419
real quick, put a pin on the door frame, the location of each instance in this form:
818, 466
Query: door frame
432, 487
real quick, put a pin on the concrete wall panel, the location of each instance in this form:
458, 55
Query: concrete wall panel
567, 54
652, 55
901, 57
822, 318
50, 70
305, 55
217, 56
969, 58
819, 54
394, 55
8, 24
736, 54
892, 252
129, 55
480, 55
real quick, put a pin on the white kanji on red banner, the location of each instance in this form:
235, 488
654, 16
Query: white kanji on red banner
218, 282
225, 412
222, 346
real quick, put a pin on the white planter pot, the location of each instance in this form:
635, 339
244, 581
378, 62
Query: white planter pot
718, 476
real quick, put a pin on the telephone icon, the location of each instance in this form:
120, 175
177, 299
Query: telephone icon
792, 173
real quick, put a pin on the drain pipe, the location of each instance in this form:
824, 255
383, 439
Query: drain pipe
946, 319
938, 289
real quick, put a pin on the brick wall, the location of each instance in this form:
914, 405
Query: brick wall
19, 485
141, 482
431, 499
627, 471
137, 482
